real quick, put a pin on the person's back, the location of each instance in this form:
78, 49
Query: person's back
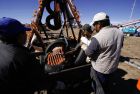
104, 50
17, 67
110, 41
20, 73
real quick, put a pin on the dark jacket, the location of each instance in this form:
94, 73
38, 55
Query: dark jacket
19, 71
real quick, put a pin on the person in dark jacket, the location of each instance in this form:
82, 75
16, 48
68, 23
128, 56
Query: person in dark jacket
20, 73
85, 39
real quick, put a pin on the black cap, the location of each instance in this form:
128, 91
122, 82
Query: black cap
87, 28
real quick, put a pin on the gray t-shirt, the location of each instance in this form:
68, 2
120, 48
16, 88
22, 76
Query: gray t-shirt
105, 48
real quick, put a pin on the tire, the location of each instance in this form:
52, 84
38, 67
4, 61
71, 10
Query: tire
53, 16
54, 44
48, 7
57, 22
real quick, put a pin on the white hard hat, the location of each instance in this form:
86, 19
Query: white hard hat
99, 17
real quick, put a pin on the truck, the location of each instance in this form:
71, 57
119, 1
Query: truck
129, 31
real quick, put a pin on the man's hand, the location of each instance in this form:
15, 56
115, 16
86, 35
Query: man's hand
84, 46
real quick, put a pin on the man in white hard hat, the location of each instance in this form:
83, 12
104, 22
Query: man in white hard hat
104, 49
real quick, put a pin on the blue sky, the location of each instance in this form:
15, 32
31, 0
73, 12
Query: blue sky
118, 10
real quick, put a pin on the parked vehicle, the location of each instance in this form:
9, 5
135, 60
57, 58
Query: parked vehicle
130, 31
138, 33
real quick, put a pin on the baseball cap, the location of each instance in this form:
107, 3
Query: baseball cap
10, 27
99, 17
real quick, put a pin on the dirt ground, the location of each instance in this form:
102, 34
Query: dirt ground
129, 74
131, 48
131, 53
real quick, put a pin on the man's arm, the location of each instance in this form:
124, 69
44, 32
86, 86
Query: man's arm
92, 48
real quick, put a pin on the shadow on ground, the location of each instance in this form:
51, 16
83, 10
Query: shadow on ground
119, 85
122, 58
